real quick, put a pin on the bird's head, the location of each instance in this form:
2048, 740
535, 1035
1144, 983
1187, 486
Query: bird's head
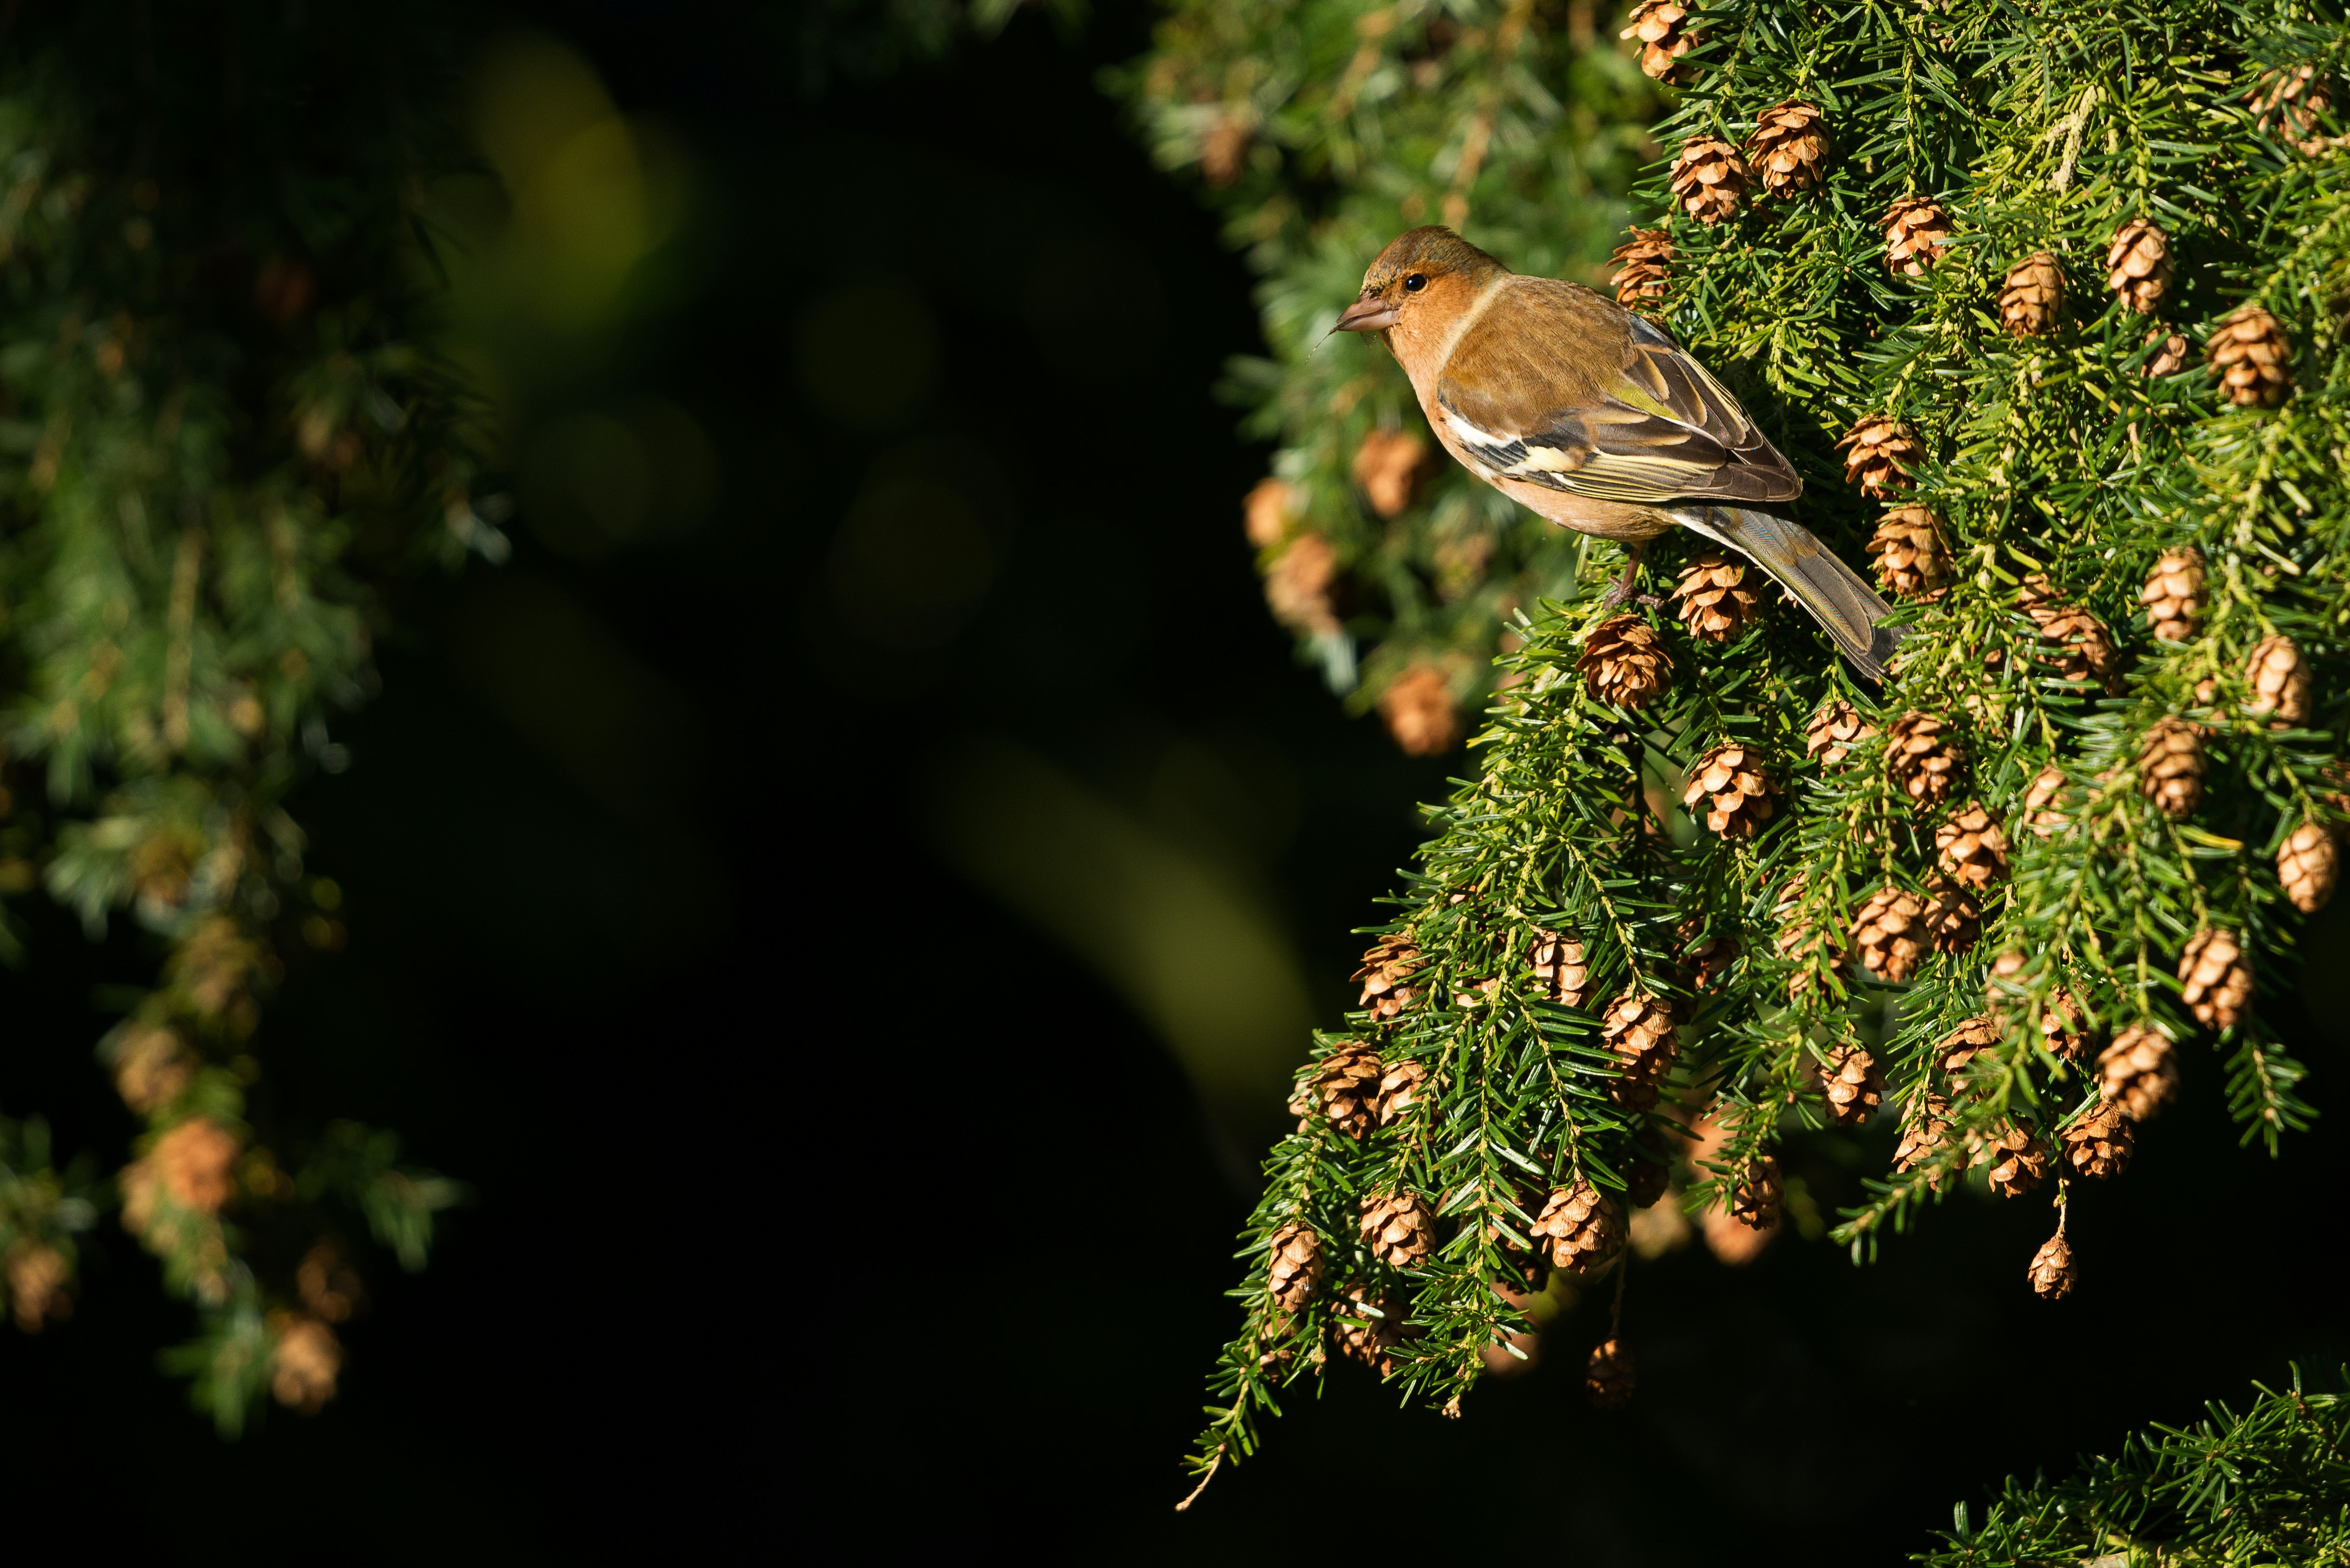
1424, 272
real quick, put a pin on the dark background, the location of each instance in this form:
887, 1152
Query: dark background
824, 1206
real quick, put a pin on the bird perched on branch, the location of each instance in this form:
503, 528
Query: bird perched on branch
1569, 404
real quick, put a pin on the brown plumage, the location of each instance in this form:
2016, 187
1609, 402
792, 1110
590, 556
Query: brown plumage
1586, 414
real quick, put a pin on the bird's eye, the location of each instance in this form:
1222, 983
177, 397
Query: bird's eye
1414, 284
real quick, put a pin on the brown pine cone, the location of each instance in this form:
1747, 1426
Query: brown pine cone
1955, 1050
2064, 1023
2039, 813
2086, 649
1398, 1086
2290, 102
1269, 508
2052, 1272
1709, 961
2279, 678
38, 1280
1367, 1335
1665, 35
2018, 1157
1390, 964
2138, 1072
1348, 1089
1419, 711
2032, 296
1789, 149
2099, 1144
2215, 978
1923, 1135
2170, 768
1889, 932
1584, 1227
1643, 267
305, 1358
1223, 149
1755, 1197
1640, 1029
1716, 605
2137, 265
1953, 915
193, 1161
1916, 231
1834, 732
150, 1066
2173, 594
1853, 1083
2305, 866
1398, 1229
2171, 358
1708, 178
1623, 662
1926, 758
1297, 585
1970, 848
2252, 356
1389, 467
1293, 1268
1798, 941
1608, 1376
1736, 790
1561, 970
1908, 547
1884, 456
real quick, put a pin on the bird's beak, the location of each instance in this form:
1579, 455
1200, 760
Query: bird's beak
1367, 316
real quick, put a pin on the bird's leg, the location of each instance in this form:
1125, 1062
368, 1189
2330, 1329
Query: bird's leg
1620, 591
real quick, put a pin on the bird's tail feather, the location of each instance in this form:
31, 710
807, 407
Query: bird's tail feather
1847, 607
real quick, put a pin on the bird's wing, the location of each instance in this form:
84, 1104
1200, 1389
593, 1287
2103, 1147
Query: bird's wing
1558, 386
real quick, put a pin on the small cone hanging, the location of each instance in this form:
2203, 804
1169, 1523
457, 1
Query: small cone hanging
2085, 648
2171, 358
1853, 1083
2033, 297
1269, 508
2173, 596
1366, 1336
1731, 792
2170, 768
1297, 585
1926, 758
1709, 961
2137, 265
1623, 662
1662, 30
2253, 358
2039, 813
1561, 970
1709, 177
1388, 469
2305, 866
2138, 1072
1582, 1227
1716, 602
1833, 733
1399, 1087
1419, 714
1954, 915
1923, 1135
1398, 1229
1789, 149
1294, 1269
1970, 848
1347, 1090
2018, 1159
2099, 1144
1916, 231
1884, 454
1643, 267
2215, 979
2052, 1269
1390, 964
2278, 679
1889, 934
1608, 1376
1755, 1197
1957, 1049
1638, 1028
2289, 103
1908, 548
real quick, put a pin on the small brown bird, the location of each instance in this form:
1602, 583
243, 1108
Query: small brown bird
1568, 403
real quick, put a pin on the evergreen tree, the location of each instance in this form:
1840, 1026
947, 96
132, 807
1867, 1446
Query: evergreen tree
2043, 302
226, 425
